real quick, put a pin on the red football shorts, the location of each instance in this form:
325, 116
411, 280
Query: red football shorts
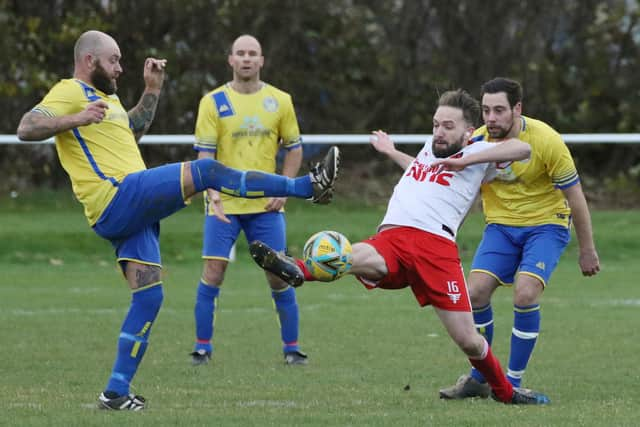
426, 262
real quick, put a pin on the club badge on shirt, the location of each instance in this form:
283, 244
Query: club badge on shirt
270, 104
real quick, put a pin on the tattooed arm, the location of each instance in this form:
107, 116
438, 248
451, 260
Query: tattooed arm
142, 114
36, 126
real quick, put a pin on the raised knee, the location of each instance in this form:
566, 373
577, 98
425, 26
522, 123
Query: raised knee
203, 172
204, 164
209, 173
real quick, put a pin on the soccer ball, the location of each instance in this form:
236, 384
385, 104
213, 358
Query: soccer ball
327, 255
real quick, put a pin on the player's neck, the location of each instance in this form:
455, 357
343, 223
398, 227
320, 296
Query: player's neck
83, 77
517, 128
246, 87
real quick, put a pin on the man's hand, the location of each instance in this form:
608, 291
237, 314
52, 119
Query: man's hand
216, 204
381, 142
154, 73
94, 112
589, 262
275, 204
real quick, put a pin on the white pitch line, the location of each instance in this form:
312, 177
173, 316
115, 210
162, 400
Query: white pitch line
267, 404
618, 302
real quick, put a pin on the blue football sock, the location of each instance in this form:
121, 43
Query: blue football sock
483, 319
132, 343
209, 173
205, 315
287, 307
526, 326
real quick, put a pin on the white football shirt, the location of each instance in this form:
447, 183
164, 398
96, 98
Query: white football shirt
434, 200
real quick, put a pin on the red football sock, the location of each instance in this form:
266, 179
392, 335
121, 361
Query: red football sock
307, 274
490, 368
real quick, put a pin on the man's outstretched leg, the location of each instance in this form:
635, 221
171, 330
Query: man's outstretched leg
316, 186
367, 264
459, 325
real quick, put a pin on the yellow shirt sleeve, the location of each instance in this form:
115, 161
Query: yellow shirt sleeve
63, 99
206, 132
289, 130
558, 161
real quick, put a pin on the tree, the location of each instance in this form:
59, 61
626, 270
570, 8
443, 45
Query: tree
351, 65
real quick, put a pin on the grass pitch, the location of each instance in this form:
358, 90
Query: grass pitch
376, 358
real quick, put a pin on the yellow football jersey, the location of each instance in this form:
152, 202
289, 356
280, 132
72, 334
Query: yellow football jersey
245, 132
528, 192
98, 156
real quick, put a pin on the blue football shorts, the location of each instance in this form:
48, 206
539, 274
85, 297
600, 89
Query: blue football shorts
219, 237
131, 221
506, 251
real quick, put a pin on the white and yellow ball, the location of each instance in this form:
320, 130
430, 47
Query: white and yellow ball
327, 255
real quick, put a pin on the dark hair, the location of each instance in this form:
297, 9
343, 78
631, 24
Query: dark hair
512, 88
462, 100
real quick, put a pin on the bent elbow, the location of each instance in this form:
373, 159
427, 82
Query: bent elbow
30, 128
23, 134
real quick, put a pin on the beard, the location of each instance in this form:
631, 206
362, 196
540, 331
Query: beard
101, 80
449, 150
500, 132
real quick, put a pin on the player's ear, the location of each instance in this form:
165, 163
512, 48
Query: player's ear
89, 61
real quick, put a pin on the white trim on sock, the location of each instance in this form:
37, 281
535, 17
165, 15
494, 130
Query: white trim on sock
524, 335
